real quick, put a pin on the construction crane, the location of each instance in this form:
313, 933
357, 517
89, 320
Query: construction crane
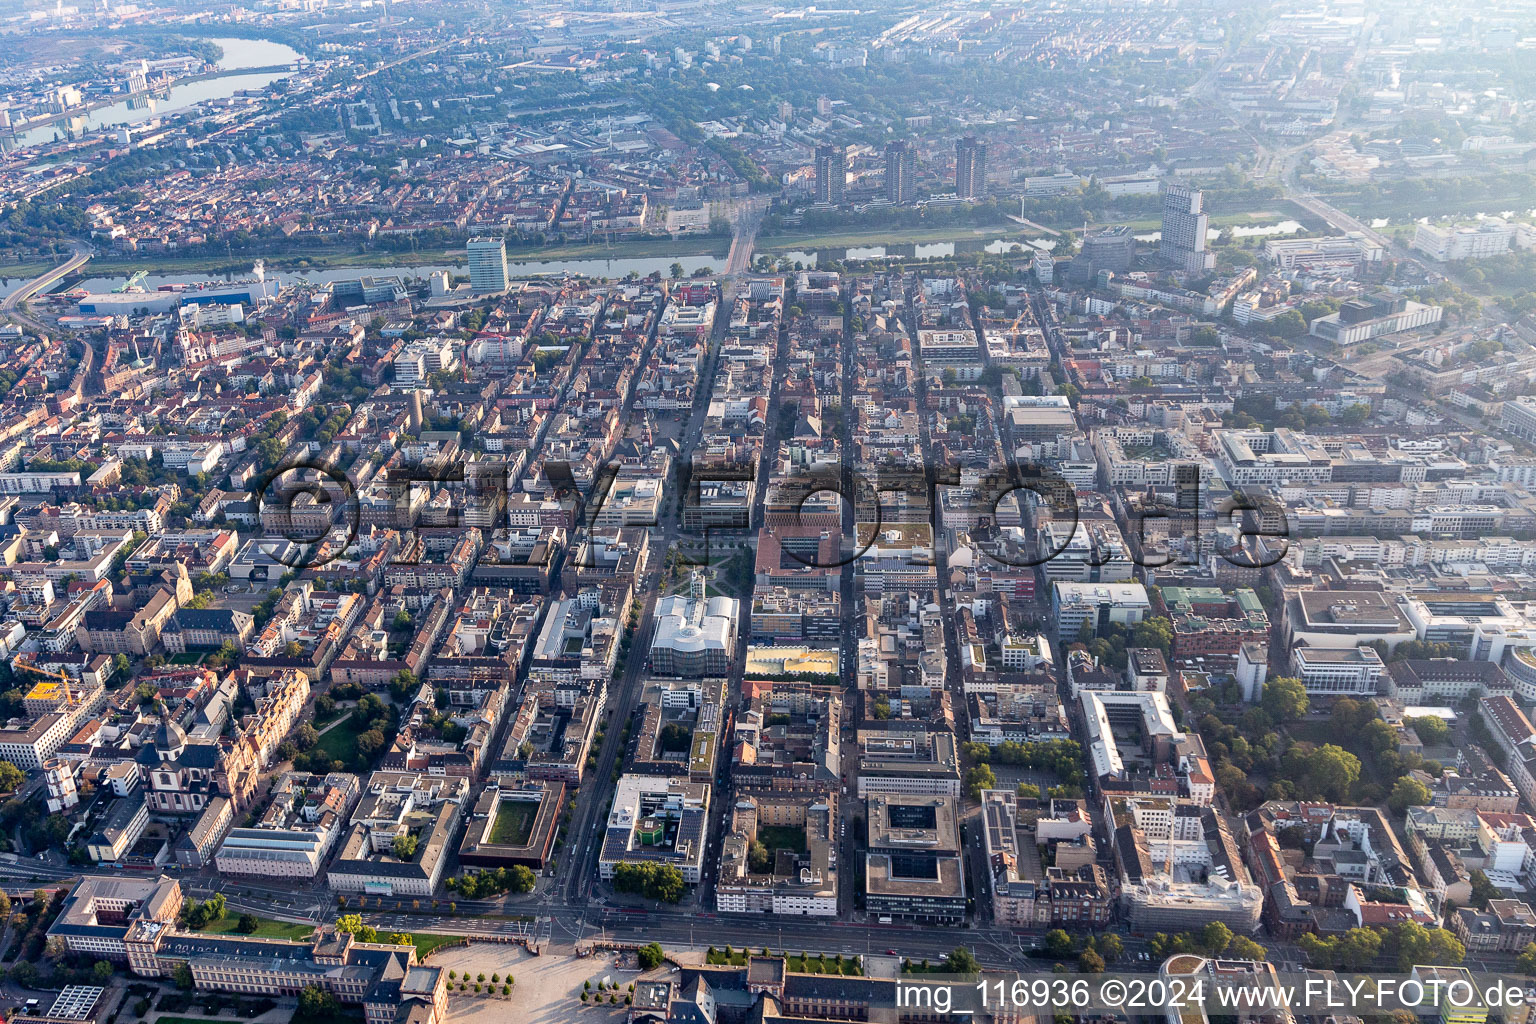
49, 675
133, 282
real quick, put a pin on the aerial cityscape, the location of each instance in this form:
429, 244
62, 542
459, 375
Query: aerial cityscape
723, 512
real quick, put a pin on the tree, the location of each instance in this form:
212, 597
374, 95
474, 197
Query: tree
1483, 890
404, 846
1431, 730
1358, 947
978, 778
1408, 792
1214, 938
1028, 791
1285, 698
656, 881
961, 961
370, 743
650, 956
352, 924
404, 686
181, 974
247, 924
1058, 943
316, 1003
11, 777
1154, 632
1090, 962
1332, 770
101, 973
675, 271
1409, 943
1353, 951
1110, 947
1243, 948
1526, 961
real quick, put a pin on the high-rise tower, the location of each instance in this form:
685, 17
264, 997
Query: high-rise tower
1182, 244
831, 173
970, 168
900, 172
487, 265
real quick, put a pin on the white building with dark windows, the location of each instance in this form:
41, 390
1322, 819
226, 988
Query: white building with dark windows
1182, 243
1338, 671
695, 636
487, 265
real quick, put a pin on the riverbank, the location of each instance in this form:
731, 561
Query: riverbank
326, 259
893, 235
24, 271
621, 256
1009, 231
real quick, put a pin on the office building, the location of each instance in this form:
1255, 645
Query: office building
900, 172
1366, 318
1518, 416
656, 819
1098, 605
1463, 243
695, 636
394, 805
913, 868
1112, 249
101, 910
908, 763
1340, 252
831, 173
1332, 671
970, 168
487, 265
1184, 226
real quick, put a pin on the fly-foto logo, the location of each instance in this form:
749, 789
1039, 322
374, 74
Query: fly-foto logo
1022, 514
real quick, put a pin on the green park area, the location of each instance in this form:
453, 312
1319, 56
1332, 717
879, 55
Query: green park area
340, 741
266, 928
514, 822
782, 837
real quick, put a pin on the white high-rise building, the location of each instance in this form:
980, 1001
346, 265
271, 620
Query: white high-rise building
487, 265
1184, 226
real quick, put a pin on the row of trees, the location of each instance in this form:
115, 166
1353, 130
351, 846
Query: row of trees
1215, 939
1063, 757
479, 885
353, 925
654, 881
1406, 943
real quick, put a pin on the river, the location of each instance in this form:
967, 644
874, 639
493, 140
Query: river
238, 53
614, 268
